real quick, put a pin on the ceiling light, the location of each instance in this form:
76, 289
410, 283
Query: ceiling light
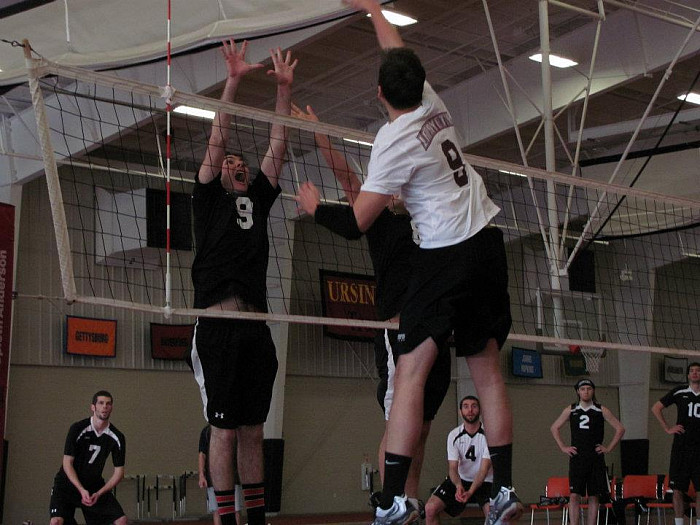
360, 142
397, 18
693, 98
555, 60
195, 112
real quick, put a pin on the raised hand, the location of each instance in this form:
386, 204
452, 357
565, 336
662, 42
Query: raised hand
283, 67
308, 198
305, 115
235, 58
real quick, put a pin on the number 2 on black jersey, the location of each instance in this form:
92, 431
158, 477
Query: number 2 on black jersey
583, 422
454, 160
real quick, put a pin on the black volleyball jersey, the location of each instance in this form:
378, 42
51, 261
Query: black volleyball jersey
587, 428
232, 243
90, 451
391, 247
688, 414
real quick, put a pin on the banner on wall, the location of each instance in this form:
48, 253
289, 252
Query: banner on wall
91, 337
675, 369
7, 257
348, 296
171, 341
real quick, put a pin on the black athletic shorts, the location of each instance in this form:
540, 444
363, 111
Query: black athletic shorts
588, 475
462, 287
685, 467
64, 501
235, 365
447, 491
436, 386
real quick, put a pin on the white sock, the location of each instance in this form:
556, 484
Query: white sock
678, 521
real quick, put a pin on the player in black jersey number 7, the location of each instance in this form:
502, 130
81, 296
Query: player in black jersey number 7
587, 471
79, 483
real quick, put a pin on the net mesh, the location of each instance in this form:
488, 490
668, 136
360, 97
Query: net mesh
590, 263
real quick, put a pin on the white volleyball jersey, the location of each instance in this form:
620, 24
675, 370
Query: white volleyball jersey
418, 156
469, 451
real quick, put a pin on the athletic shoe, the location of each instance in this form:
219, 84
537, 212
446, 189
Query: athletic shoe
505, 507
418, 505
401, 512
375, 499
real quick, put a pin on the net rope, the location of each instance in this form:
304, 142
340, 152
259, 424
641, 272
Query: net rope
639, 272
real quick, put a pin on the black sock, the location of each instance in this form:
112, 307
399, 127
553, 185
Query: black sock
395, 475
502, 462
254, 499
226, 500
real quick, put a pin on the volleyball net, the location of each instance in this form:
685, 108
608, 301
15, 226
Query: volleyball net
590, 263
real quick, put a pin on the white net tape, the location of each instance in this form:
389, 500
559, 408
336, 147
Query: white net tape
593, 356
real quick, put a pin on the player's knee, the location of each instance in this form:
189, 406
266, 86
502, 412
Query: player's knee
56, 521
122, 521
433, 507
249, 435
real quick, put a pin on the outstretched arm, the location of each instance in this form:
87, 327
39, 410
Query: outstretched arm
387, 34
344, 174
283, 71
237, 68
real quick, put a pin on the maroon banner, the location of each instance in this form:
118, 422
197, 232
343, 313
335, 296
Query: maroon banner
7, 257
348, 296
171, 341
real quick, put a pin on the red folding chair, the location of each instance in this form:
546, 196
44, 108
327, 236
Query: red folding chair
643, 490
556, 488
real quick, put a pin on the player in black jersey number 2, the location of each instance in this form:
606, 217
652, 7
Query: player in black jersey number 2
587, 471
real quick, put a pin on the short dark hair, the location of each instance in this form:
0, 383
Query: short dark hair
101, 393
401, 77
473, 398
694, 363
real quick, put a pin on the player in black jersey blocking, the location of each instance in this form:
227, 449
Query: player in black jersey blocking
234, 361
79, 482
587, 471
685, 451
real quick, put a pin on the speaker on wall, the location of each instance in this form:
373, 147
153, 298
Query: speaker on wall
582, 272
634, 454
180, 219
